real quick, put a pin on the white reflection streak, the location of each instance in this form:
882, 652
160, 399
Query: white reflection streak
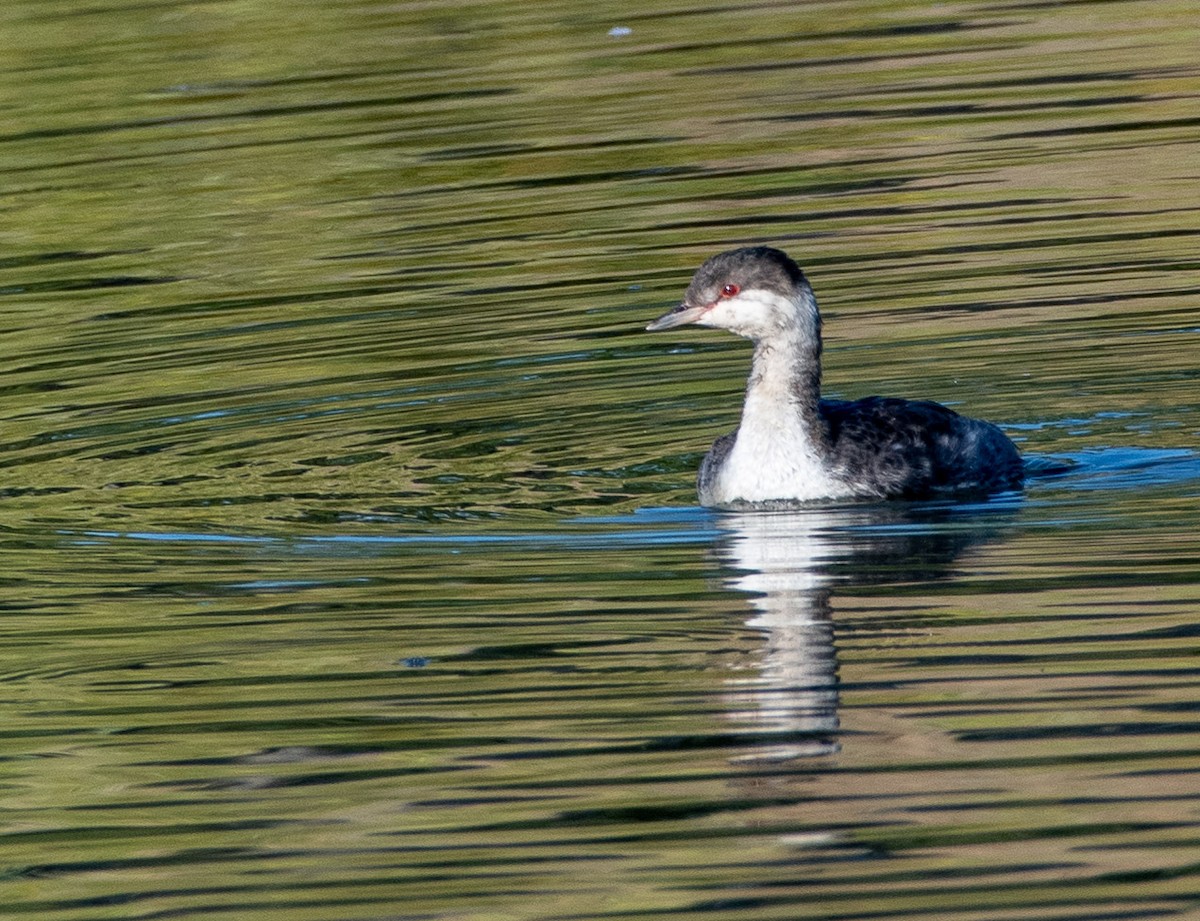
793, 693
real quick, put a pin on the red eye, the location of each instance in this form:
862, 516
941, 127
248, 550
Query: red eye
730, 291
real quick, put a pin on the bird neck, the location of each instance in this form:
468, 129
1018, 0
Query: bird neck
785, 374
783, 446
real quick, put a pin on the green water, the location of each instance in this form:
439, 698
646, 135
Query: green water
353, 568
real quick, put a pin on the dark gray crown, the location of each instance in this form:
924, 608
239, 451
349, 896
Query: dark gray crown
759, 267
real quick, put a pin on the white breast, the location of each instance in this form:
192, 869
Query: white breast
773, 457
755, 471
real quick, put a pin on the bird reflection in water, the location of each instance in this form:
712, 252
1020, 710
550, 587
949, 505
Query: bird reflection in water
792, 563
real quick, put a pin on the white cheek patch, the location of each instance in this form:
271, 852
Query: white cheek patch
747, 314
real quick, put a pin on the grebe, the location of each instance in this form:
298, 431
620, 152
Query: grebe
793, 446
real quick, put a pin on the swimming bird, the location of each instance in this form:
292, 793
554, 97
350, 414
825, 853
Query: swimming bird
791, 445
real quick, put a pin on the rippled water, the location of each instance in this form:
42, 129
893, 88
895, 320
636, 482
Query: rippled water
353, 563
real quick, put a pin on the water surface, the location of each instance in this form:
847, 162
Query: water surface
353, 563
